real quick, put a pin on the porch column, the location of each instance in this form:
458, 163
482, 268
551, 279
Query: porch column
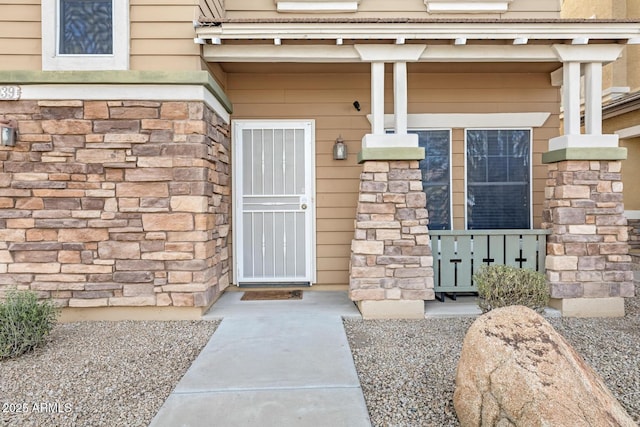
400, 97
593, 98
391, 269
571, 97
588, 263
377, 98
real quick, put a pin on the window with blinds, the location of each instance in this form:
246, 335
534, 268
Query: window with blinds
498, 172
436, 176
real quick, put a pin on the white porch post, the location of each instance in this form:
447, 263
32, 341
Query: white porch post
592, 57
400, 97
400, 143
571, 97
593, 98
377, 98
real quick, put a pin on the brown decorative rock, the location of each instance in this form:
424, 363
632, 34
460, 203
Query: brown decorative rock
515, 369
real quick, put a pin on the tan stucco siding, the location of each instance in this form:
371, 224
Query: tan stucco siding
630, 169
20, 47
395, 9
327, 98
631, 174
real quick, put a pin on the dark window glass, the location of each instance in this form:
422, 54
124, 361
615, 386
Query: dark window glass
498, 179
86, 27
436, 176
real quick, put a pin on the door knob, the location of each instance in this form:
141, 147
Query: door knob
304, 206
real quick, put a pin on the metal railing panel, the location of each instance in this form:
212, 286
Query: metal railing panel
457, 255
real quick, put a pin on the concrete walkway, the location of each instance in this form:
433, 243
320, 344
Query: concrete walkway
272, 363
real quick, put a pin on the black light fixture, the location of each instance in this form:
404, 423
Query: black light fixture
356, 105
339, 149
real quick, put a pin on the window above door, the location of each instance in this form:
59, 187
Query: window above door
85, 34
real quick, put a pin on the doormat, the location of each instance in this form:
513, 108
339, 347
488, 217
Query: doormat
271, 295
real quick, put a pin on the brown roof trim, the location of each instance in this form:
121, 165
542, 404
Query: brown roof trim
619, 106
214, 22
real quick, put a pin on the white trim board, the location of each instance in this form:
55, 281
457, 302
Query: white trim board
108, 92
336, 6
350, 53
474, 6
632, 214
469, 120
628, 133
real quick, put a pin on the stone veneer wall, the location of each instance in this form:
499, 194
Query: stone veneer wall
119, 203
390, 254
587, 251
634, 233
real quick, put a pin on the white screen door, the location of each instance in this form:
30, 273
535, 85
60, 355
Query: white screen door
274, 221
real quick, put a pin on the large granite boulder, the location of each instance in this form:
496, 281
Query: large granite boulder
515, 369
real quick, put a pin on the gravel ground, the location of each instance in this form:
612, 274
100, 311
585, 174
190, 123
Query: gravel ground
120, 373
407, 368
99, 373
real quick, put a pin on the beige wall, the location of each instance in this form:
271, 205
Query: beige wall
391, 9
630, 169
161, 35
327, 98
20, 47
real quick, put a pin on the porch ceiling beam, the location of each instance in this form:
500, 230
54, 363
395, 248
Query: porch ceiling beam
349, 53
568, 31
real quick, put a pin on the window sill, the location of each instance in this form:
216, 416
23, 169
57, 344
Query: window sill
482, 6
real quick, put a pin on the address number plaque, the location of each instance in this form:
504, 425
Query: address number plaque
10, 93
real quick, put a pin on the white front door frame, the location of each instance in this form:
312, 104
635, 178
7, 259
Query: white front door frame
299, 203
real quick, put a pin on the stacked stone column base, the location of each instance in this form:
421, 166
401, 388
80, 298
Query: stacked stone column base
391, 270
588, 263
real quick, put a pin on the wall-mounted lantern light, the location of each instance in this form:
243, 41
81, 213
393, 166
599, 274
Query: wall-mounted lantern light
8, 132
339, 149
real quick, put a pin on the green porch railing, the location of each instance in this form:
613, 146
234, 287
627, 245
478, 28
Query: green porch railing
457, 255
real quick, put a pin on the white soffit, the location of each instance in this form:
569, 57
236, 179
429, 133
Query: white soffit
469, 120
351, 53
472, 6
317, 6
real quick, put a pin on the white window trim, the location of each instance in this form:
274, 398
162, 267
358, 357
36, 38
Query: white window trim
52, 61
450, 166
470, 6
530, 170
317, 6
470, 120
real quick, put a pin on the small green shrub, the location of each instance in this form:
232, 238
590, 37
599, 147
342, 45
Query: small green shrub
25, 322
502, 285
